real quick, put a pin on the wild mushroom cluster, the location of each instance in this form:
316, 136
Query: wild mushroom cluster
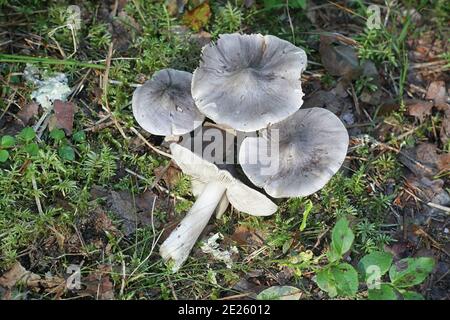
250, 85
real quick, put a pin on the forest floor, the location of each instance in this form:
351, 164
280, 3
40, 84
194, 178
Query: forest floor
86, 192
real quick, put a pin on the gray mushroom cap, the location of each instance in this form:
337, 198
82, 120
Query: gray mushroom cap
164, 106
312, 147
249, 81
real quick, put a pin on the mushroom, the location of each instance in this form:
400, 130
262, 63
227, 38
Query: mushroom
164, 106
312, 145
217, 183
249, 81
211, 138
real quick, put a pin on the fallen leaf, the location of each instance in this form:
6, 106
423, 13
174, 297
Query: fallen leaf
198, 17
170, 175
444, 133
19, 275
420, 109
98, 283
28, 112
134, 211
437, 92
424, 160
339, 60
64, 115
280, 293
16, 275
175, 7
246, 236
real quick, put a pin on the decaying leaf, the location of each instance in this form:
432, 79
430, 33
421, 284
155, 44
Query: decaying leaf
98, 283
19, 275
198, 17
437, 92
424, 160
339, 60
170, 175
28, 112
175, 7
64, 115
245, 236
134, 211
420, 109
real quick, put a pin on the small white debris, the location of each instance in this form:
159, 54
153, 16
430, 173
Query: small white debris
210, 246
48, 90
446, 230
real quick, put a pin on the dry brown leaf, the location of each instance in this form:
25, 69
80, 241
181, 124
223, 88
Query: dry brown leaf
437, 92
19, 275
98, 283
420, 109
28, 112
245, 236
170, 176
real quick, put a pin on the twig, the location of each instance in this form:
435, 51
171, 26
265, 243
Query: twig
140, 136
36, 197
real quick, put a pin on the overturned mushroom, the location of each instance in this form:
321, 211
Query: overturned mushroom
217, 183
310, 147
249, 81
211, 138
164, 106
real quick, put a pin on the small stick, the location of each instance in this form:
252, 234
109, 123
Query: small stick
36, 197
140, 136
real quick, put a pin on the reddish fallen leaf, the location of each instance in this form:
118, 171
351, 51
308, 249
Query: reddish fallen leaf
420, 109
64, 115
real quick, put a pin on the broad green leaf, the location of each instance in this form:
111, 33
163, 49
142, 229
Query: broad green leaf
57, 134
7, 141
410, 271
411, 295
4, 155
384, 292
340, 280
27, 134
32, 149
309, 206
66, 152
280, 293
79, 136
325, 280
346, 279
375, 264
341, 239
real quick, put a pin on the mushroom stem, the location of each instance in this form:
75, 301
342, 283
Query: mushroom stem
180, 242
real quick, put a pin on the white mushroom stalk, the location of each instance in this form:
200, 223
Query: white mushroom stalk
218, 183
